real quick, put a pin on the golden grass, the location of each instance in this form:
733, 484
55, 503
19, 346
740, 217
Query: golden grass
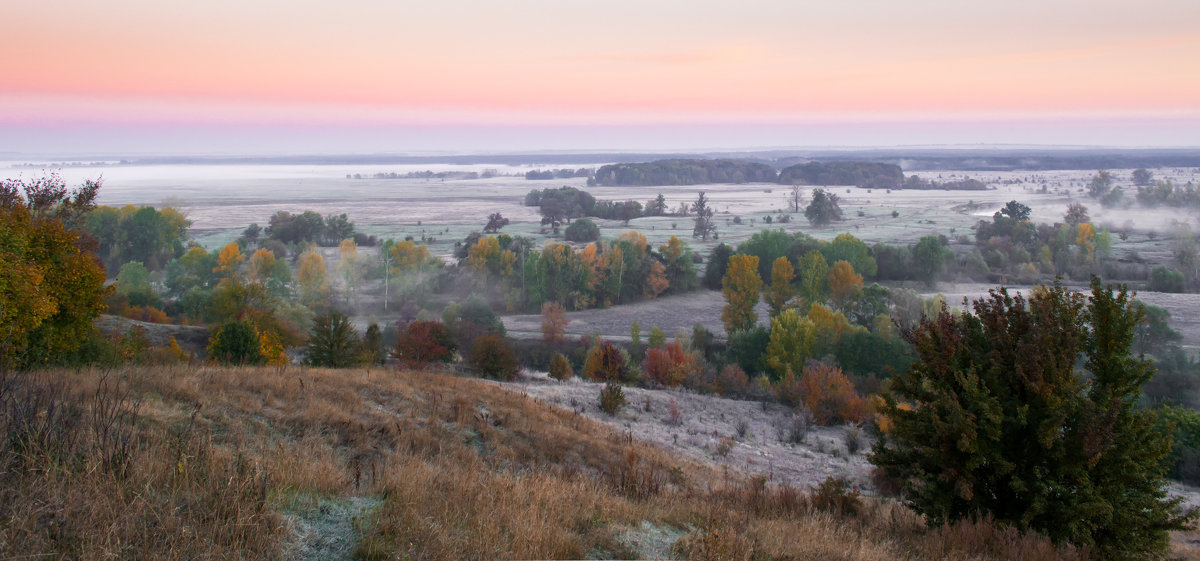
464, 469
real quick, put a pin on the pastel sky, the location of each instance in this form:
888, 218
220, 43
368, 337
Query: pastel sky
376, 75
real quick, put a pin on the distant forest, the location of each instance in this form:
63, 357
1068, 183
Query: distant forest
862, 174
683, 172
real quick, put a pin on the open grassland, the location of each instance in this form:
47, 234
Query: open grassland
221, 463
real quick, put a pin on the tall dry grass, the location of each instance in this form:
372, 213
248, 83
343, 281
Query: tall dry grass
201, 463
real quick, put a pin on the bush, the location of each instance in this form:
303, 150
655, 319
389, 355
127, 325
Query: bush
830, 396
794, 429
612, 398
423, 342
560, 368
333, 343
732, 381
669, 366
582, 230
492, 356
236, 342
788, 389
1163, 279
605, 363
836, 496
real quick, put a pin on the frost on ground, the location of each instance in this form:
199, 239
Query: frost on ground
326, 528
745, 437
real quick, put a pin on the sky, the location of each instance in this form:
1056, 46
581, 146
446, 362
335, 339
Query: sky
269, 76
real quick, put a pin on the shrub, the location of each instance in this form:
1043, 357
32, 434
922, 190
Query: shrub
612, 398
732, 381
830, 396
794, 429
582, 230
554, 322
236, 342
560, 368
605, 363
423, 342
492, 356
669, 366
333, 343
1163, 279
836, 496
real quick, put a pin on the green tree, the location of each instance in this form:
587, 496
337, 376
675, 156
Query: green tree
741, 287
333, 343
236, 342
582, 231
492, 356
823, 209
852, 250
929, 258
814, 277
790, 344
994, 418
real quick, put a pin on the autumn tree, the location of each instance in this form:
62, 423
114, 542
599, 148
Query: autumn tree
605, 362
740, 286
424, 342
51, 287
350, 267
311, 277
1026, 411
814, 277
790, 343
670, 365
554, 322
830, 396
844, 284
781, 291
493, 356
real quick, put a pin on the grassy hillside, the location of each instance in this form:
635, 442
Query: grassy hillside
218, 463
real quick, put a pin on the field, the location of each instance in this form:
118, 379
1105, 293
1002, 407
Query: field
216, 463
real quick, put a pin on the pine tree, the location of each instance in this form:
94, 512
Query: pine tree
994, 418
333, 342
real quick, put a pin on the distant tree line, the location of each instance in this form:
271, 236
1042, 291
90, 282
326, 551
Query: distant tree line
965, 184
539, 174
861, 174
684, 172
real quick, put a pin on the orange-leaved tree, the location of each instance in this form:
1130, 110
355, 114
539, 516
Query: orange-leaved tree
554, 322
781, 291
670, 365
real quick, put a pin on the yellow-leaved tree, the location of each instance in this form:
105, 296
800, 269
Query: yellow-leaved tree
844, 284
740, 286
312, 280
781, 291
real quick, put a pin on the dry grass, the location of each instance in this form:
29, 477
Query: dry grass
215, 457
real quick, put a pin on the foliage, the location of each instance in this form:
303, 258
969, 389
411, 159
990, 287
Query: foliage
1164, 279
143, 234
684, 172
372, 345
748, 349
582, 231
823, 208
718, 263
554, 322
1154, 333
424, 342
560, 368
846, 247
844, 285
781, 291
861, 174
605, 363
333, 343
670, 365
495, 222
791, 342
612, 398
732, 381
312, 281
492, 356
310, 228
814, 277
236, 342
1002, 423
830, 396
740, 287
929, 258
1184, 426
50, 287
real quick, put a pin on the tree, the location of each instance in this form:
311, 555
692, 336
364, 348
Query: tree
495, 222
846, 247
670, 365
51, 288
423, 342
560, 368
814, 277
333, 343
929, 258
656, 206
794, 197
350, 265
740, 287
492, 356
582, 231
1016, 211
605, 363
236, 342
829, 395
994, 418
718, 263
823, 209
314, 288
554, 322
1076, 214
781, 291
790, 344
844, 285
704, 226
1142, 177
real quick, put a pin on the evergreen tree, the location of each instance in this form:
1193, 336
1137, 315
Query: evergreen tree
333, 342
994, 418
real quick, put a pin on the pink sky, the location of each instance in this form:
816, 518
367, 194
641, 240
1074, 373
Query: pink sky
179, 76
